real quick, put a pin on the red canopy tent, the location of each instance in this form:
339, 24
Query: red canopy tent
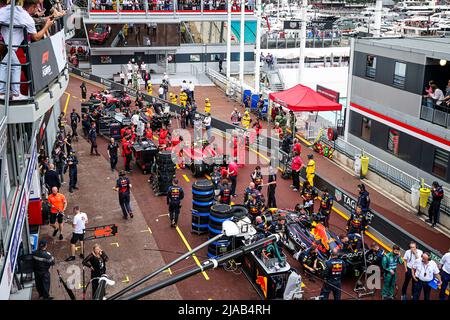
301, 98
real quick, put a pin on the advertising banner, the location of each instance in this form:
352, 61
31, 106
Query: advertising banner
59, 47
44, 64
328, 93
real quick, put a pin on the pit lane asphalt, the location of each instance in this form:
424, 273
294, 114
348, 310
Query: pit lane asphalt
221, 284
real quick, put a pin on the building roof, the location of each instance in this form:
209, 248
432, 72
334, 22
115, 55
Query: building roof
438, 48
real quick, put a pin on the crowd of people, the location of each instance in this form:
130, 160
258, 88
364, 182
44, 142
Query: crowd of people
418, 266
166, 5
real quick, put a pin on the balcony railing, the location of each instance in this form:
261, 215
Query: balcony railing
39, 62
434, 113
155, 6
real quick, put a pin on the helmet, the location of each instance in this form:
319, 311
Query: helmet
246, 112
121, 173
207, 100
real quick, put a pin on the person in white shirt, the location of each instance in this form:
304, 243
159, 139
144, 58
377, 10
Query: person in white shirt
423, 271
143, 70
22, 17
135, 118
79, 222
411, 255
437, 95
122, 78
207, 124
445, 275
129, 67
129, 80
191, 87
161, 92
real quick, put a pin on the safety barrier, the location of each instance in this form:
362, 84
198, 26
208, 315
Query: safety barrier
437, 114
386, 170
378, 222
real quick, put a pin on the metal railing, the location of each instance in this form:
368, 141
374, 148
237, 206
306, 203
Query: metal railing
386, 170
437, 114
148, 6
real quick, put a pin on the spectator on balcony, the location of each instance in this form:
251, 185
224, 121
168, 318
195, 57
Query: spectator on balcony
22, 17
53, 8
447, 94
436, 95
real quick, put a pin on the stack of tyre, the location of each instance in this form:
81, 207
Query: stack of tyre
219, 214
202, 200
165, 172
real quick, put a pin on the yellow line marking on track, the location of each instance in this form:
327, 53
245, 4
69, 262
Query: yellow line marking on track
169, 271
162, 215
67, 101
115, 244
309, 144
80, 286
126, 280
189, 248
259, 154
186, 178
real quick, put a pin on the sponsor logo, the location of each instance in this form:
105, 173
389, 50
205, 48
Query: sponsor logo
46, 71
45, 57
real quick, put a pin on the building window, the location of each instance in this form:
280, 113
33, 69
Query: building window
400, 74
393, 141
440, 163
366, 126
371, 66
194, 58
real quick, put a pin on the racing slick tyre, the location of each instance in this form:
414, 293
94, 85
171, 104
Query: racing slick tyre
218, 214
202, 200
197, 169
239, 211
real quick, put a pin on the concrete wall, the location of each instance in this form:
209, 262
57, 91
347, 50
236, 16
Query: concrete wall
390, 98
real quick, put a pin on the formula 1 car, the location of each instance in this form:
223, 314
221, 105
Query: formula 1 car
202, 158
99, 33
114, 98
303, 230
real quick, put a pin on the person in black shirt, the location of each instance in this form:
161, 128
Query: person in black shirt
59, 159
123, 186
113, 153
272, 184
83, 90
437, 193
74, 120
225, 192
42, 261
51, 178
93, 139
174, 196
86, 124
96, 261
334, 271
72, 162
363, 198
